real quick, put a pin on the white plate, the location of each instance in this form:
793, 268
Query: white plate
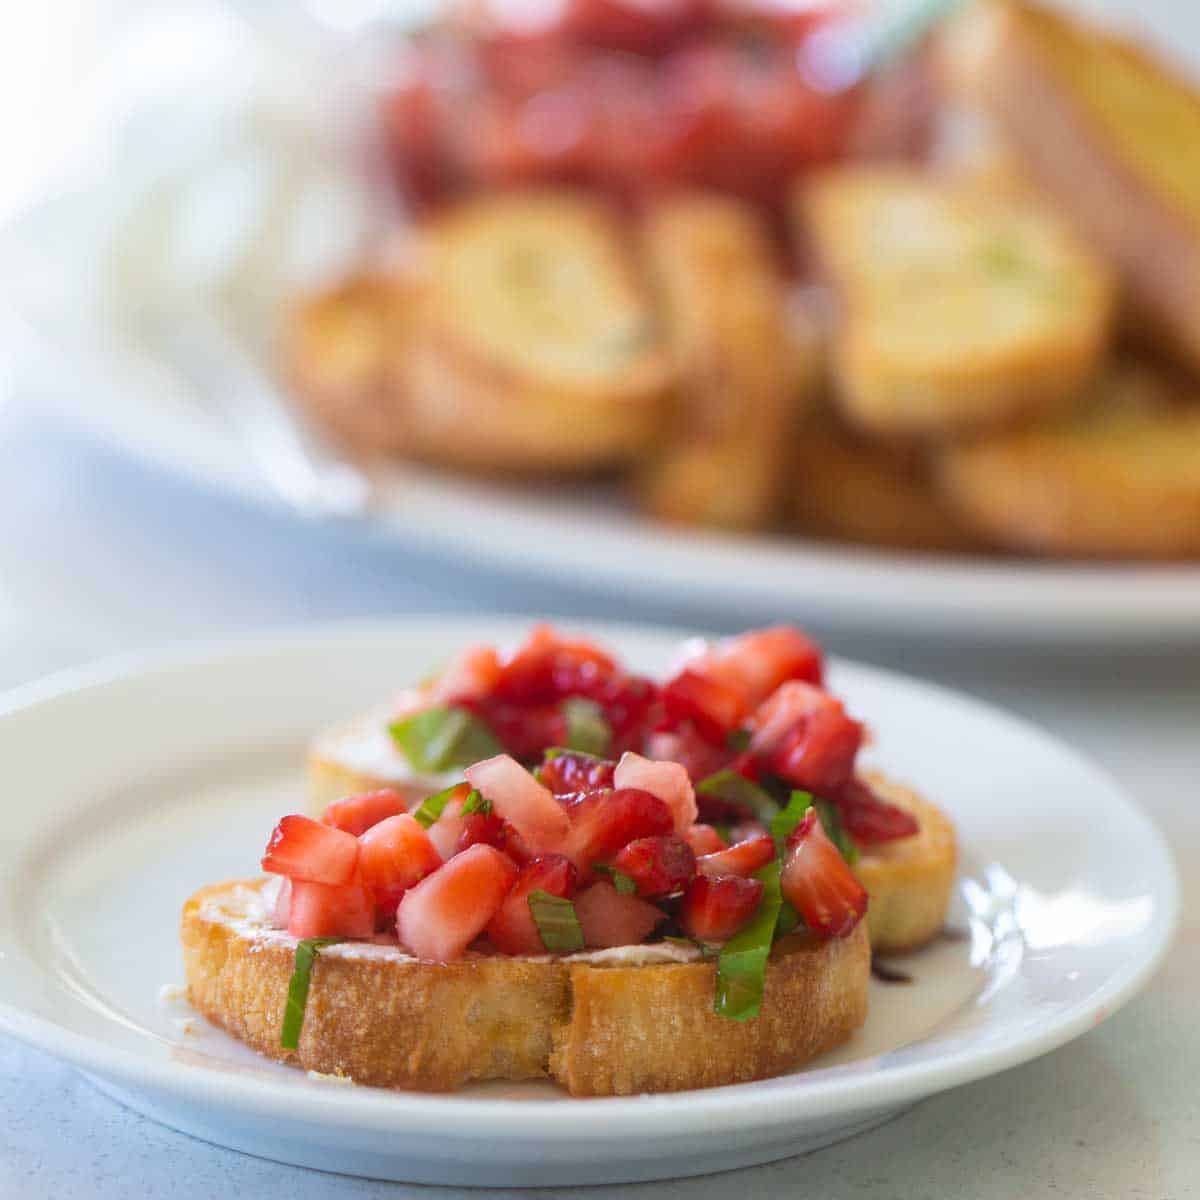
130, 787
264, 194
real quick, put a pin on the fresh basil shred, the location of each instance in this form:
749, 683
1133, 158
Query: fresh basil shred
475, 803
297, 997
737, 789
556, 922
782, 823
789, 919
742, 963
439, 739
587, 730
832, 824
432, 807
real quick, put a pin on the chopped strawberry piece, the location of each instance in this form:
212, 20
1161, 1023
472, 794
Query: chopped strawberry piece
470, 675
483, 828
684, 745
520, 800
394, 855
659, 866
302, 848
804, 735
713, 707
322, 910
667, 780
576, 773
713, 910
869, 819
513, 929
765, 658
356, 814
283, 904
446, 832
704, 839
609, 918
440, 917
548, 667
817, 882
525, 731
604, 821
744, 830
742, 858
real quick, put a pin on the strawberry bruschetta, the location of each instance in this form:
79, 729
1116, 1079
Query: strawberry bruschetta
573, 922
748, 719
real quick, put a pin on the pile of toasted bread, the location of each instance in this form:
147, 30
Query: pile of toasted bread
955, 373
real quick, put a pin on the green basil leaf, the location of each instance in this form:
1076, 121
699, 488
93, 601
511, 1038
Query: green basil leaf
831, 822
439, 739
475, 803
556, 922
297, 997
587, 730
742, 963
431, 807
789, 919
784, 822
622, 882
738, 740
737, 789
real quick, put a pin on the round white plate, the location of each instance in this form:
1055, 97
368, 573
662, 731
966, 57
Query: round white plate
130, 787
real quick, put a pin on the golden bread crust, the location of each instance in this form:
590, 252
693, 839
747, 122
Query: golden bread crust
597, 1030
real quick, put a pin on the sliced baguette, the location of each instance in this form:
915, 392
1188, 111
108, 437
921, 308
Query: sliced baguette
958, 308
912, 878
723, 457
535, 347
379, 1018
1118, 478
1111, 133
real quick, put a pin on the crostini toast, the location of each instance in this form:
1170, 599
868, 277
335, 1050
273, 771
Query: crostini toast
1109, 131
958, 308
599, 1025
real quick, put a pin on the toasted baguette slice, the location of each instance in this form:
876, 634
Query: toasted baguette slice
1118, 478
723, 458
340, 353
959, 309
601, 1027
912, 878
1111, 133
535, 347
848, 488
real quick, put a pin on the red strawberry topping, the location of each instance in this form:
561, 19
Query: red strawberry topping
609, 918
302, 848
817, 882
576, 773
521, 801
658, 866
704, 839
394, 855
322, 910
667, 780
742, 858
713, 910
602, 822
513, 929
868, 819
356, 814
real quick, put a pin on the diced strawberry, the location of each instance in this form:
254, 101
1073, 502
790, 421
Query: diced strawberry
548, 667
804, 735
283, 904
659, 866
609, 918
322, 910
869, 819
684, 745
713, 910
470, 675
817, 882
513, 929
604, 821
765, 658
781, 712
704, 839
742, 858
745, 829
394, 855
525, 731
302, 848
576, 773
446, 832
356, 814
519, 799
713, 707
667, 780
440, 917
483, 828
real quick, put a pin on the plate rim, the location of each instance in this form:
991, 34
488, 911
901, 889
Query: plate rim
724, 1108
